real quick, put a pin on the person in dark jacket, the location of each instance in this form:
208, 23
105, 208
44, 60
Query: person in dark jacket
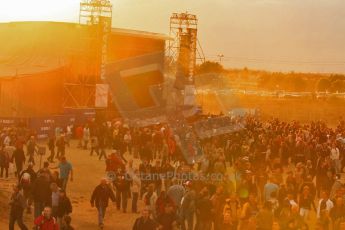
26, 181
145, 222
168, 219
67, 225
64, 208
122, 184
264, 219
100, 198
61, 145
19, 158
31, 149
188, 207
17, 204
163, 201
101, 146
30, 171
51, 147
4, 162
203, 210
41, 193
337, 213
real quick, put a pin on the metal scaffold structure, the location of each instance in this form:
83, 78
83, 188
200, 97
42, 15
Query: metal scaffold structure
183, 53
89, 59
184, 50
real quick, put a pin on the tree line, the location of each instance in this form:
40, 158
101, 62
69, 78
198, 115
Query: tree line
312, 82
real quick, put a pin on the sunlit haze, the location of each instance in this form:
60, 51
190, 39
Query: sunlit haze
262, 34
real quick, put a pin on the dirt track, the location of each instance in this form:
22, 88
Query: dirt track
87, 172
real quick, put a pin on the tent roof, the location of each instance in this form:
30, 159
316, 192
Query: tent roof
138, 33
34, 47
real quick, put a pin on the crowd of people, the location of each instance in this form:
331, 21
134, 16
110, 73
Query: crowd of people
269, 174
42, 192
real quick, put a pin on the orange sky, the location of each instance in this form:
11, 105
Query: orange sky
280, 35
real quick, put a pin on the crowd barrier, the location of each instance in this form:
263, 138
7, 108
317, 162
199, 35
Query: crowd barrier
43, 127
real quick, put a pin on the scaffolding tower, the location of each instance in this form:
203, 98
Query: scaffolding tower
184, 50
89, 59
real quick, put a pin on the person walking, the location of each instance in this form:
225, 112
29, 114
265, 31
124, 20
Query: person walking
337, 213
325, 204
203, 210
94, 145
64, 208
54, 202
145, 222
61, 146
79, 135
231, 213
306, 202
100, 199
248, 213
150, 199
335, 158
264, 218
127, 141
41, 193
17, 206
135, 187
269, 187
31, 149
19, 159
67, 226
176, 193
51, 147
66, 172
69, 133
101, 147
26, 181
46, 221
122, 184
188, 207
4, 162
86, 136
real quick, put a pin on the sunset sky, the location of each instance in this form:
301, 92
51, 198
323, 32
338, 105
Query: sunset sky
279, 35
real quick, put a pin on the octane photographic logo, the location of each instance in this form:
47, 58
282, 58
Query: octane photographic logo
112, 176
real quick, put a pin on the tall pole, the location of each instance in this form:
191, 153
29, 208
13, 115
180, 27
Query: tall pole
220, 56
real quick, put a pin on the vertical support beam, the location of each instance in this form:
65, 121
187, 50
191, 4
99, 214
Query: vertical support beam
90, 58
183, 51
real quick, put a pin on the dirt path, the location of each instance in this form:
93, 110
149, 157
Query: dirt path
88, 171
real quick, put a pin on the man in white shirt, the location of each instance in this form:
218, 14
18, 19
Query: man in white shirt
335, 157
325, 204
136, 185
69, 133
291, 200
86, 135
127, 139
55, 190
7, 140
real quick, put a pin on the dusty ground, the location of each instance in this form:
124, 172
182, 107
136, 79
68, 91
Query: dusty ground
87, 172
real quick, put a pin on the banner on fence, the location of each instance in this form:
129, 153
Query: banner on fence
6, 122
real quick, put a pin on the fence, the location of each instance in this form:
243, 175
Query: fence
43, 127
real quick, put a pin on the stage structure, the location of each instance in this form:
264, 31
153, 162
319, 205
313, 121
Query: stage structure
184, 50
88, 61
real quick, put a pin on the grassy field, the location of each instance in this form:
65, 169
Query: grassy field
302, 109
